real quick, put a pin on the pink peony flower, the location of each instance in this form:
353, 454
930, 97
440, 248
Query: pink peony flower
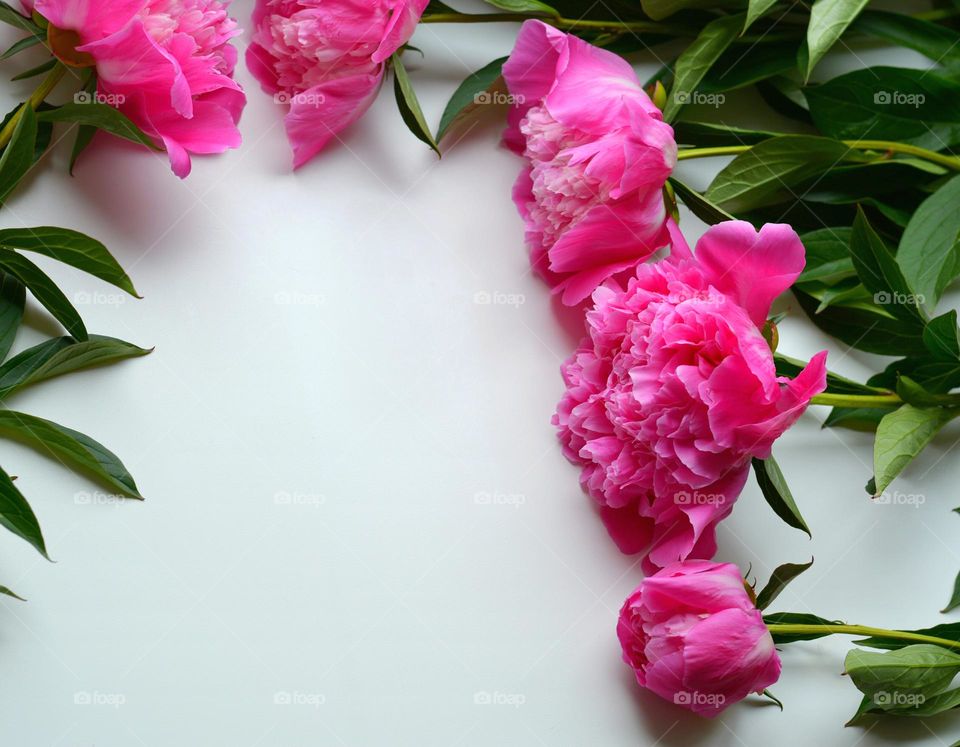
598, 154
326, 58
166, 64
692, 635
673, 390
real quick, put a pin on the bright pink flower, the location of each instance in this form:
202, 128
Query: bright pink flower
692, 635
598, 154
674, 389
166, 64
326, 59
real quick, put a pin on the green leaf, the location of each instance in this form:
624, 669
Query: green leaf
44, 290
72, 248
12, 299
409, 105
17, 516
828, 20
948, 631
828, 255
782, 576
929, 253
523, 6
870, 331
942, 337
59, 356
917, 107
915, 394
797, 618
865, 419
737, 69
84, 137
918, 669
101, 116
902, 435
940, 43
4, 590
70, 448
773, 166
697, 59
954, 598
774, 487
17, 157
755, 9
878, 270
19, 46
660, 9
34, 71
468, 95
10, 16
699, 205
709, 134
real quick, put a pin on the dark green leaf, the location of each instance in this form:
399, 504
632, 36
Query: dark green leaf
918, 669
70, 448
103, 117
84, 137
523, 6
828, 20
709, 134
17, 516
44, 290
18, 46
470, 94
865, 419
795, 618
34, 71
774, 487
18, 156
660, 9
828, 255
929, 254
947, 631
755, 9
736, 69
773, 166
409, 105
72, 248
10, 16
4, 590
782, 576
902, 435
954, 598
918, 107
940, 43
699, 205
12, 298
942, 337
59, 356
697, 59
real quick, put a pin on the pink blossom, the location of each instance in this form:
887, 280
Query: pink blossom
598, 154
693, 636
166, 64
326, 59
674, 390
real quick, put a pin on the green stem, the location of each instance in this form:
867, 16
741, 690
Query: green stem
36, 98
951, 162
857, 400
899, 635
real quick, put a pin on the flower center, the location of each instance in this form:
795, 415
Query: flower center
63, 43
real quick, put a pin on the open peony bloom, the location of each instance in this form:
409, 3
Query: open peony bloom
598, 154
326, 59
673, 390
166, 64
693, 636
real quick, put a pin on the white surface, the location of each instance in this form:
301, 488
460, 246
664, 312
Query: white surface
318, 337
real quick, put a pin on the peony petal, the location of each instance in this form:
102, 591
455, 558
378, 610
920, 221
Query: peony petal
92, 19
403, 20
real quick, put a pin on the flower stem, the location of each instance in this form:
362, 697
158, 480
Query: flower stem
36, 98
951, 162
899, 635
857, 400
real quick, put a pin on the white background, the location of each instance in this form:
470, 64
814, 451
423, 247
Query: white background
318, 340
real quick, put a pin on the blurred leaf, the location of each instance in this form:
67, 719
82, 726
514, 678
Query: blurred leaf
4, 590
954, 598
18, 156
43, 67
17, 516
940, 43
12, 299
523, 6
709, 134
755, 9
18, 46
101, 116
